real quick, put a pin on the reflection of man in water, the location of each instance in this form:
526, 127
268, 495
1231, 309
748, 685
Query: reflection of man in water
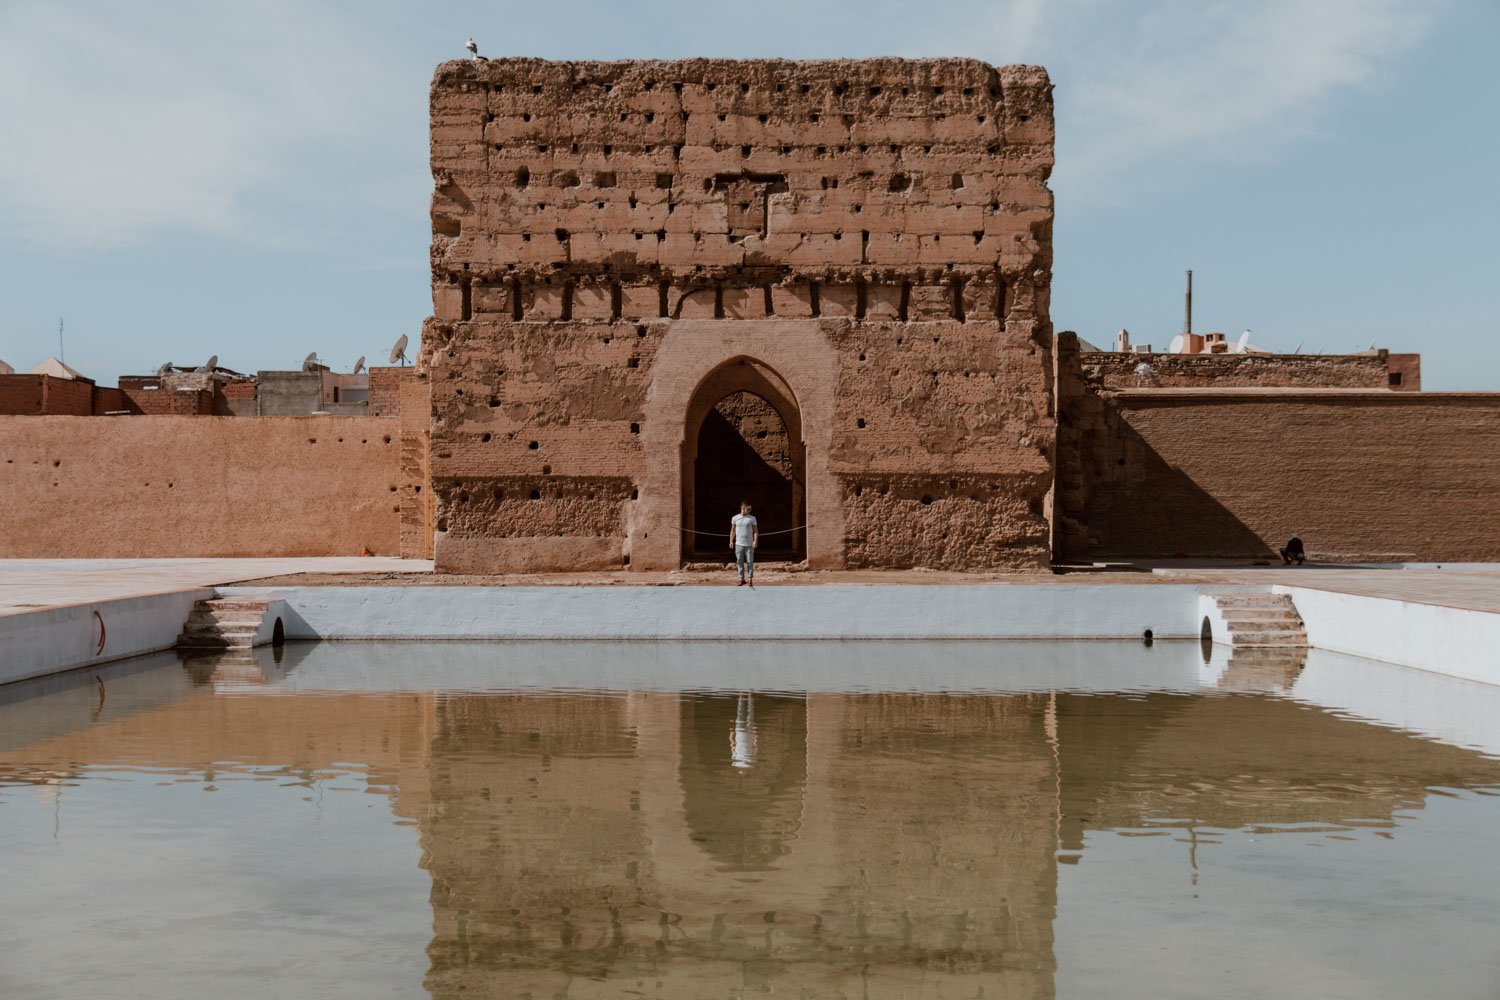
744, 533
742, 740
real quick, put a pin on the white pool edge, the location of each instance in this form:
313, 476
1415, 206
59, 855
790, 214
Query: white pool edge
1452, 641
1458, 642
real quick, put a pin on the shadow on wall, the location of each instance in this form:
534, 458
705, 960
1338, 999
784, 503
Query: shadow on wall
730, 469
1134, 503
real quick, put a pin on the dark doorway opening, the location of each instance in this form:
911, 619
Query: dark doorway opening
744, 445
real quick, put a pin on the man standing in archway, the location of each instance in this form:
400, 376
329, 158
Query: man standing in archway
744, 534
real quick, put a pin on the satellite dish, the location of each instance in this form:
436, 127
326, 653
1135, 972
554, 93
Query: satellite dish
1178, 345
165, 369
210, 364
310, 362
1242, 343
359, 365
398, 353
1298, 349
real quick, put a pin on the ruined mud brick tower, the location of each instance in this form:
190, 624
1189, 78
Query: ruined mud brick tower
662, 287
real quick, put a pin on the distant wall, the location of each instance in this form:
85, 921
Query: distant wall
199, 486
181, 402
41, 394
1117, 370
21, 394
414, 407
1360, 475
385, 389
289, 393
112, 401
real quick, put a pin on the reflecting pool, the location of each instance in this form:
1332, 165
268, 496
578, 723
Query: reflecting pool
820, 819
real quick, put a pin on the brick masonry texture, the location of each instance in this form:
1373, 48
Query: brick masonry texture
45, 395
199, 486
1118, 494
864, 245
1360, 476
385, 390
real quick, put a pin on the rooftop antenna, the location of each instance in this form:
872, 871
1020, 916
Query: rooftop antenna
62, 355
1187, 317
398, 353
359, 365
210, 364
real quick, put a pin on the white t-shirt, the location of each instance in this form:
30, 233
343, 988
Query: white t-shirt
743, 526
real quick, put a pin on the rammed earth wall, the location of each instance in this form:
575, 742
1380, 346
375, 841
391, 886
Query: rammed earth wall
866, 245
90, 487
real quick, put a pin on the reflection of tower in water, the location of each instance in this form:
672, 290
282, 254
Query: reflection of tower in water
742, 739
698, 842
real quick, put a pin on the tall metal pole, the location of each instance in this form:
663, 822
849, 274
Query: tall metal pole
62, 355
1187, 320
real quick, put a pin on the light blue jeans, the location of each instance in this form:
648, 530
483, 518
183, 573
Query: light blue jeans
744, 559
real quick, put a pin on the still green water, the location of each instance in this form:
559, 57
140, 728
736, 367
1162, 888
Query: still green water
854, 820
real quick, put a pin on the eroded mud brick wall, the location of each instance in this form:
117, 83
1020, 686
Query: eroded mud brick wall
866, 245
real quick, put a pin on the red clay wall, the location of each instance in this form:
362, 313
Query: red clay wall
197, 486
607, 237
43, 394
21, 394
1117, 370
385, 389
159, 401
112, 401
417, 503
1360, 475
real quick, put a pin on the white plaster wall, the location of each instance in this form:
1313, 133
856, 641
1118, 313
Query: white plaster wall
1001, 611
52, 640
1218, 627
721, 665
1452, 641
275, 609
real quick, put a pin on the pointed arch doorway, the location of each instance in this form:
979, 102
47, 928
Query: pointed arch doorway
743, 441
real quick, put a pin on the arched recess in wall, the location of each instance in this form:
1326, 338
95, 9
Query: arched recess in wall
742, 440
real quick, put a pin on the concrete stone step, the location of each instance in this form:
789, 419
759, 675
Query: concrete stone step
1261, 621
1253, 610
1247, 600
1263, 624
187, 641
225, 621
222, 624
198, 628
1269, 639
233, 604
1228, 601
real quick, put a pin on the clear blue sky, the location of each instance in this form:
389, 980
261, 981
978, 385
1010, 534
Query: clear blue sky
179, 179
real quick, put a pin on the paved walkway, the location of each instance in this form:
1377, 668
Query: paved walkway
1476, 588
29, 584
